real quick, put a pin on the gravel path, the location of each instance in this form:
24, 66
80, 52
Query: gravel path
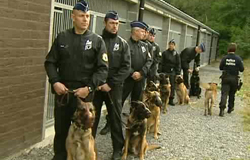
186, 133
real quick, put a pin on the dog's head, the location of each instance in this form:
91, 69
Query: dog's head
213, 86
84, 115
151, 86
139, 111
179, 79
164, 79
154, 98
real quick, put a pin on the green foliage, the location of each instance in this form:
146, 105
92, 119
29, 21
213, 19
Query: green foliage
228, 17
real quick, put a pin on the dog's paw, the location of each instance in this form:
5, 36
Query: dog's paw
159, 133
124, 157
156, 137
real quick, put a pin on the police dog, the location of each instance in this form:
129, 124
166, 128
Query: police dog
154, 104
165, 90
210, 96
151, 86
181, 91
80, 144
136, 128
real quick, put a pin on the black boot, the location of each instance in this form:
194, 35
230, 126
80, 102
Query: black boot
105, 129
230, 110
117, 155
221, 113
171, 102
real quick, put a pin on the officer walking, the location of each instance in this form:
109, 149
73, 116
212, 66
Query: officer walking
111, 91
140, 63
230, 66
171, 66
76, 62
156, 55
187, 55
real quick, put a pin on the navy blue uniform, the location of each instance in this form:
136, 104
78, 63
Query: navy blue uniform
171, 65
141, 61
230, 65
76, 61
187, 55
156, 55
119, 67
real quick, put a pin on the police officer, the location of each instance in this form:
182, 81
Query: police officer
140, 63
171, 66
187, 55
230, 65
111, 91
156, 55
76, 65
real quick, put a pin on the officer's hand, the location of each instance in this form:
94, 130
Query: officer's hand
197, 69
105, 87
82, 92
136, 76
190, 70
60, 88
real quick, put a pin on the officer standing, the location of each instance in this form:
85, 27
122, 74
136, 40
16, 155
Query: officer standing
171, 66
111, 91
140, 63
156, 55
187, 55
230, 66
76, 63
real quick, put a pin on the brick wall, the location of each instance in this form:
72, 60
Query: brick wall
24, 34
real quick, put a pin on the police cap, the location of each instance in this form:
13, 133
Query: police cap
112, 15
82, 5
139, 24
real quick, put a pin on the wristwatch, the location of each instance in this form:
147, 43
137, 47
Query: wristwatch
90, 89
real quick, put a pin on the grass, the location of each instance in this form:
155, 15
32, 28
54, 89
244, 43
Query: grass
245, 94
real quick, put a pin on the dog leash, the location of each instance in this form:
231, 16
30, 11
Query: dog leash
66, 95
112, 103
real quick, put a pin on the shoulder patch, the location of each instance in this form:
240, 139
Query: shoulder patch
105, 57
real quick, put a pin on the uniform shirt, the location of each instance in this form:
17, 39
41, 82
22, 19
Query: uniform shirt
141, 58
156, 58
171, 62
187, 55
119, 58
77, 58
232, 64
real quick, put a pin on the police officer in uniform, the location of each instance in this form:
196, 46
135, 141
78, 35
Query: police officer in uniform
171, 66
111, 91
230, 65
76, 65
156, 55
187, 55
140, 63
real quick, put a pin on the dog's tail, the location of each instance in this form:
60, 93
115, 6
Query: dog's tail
151, 147
205, 85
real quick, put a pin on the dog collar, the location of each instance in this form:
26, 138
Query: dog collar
79, 127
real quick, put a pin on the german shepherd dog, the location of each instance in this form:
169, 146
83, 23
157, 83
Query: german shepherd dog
80, 144
136, 128
210, 96
195, 89
154, 104
151, 86
165, 90
181, 91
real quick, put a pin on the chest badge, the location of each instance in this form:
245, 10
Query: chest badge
88, 45
116, 47
154, 48
143, 49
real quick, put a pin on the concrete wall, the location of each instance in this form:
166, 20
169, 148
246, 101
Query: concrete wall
24, 33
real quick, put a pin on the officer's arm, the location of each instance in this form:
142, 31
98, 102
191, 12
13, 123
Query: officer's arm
222, 63
197, 60
241, 65
146, 68
157, 54
51, 63
124, 70
101, 72
184, 63
178, 64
